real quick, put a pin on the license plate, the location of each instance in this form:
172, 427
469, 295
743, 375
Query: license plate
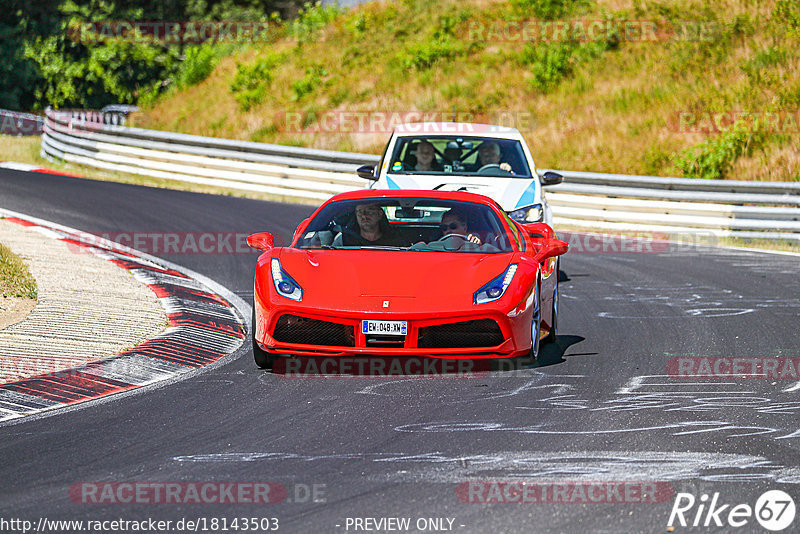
386, 328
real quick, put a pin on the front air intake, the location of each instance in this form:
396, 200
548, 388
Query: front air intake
477, 333
305, 331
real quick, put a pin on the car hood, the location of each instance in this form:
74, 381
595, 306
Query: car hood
364, 280
510, 193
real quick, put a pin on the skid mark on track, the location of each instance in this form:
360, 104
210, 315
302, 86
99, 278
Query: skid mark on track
532, 382
680, 428
436, 466
684, 300
674, 407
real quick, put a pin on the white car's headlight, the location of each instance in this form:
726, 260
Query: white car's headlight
496, 288
528, 214
284, 284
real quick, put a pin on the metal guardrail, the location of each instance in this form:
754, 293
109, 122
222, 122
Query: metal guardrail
589, 200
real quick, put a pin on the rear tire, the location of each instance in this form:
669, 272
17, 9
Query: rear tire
263, 359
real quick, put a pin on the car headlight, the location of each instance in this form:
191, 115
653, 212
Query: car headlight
284, 284
528, 214
496, 288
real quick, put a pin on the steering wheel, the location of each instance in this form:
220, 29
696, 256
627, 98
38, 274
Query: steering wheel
462, 236
489, 166
493, 168
457, 246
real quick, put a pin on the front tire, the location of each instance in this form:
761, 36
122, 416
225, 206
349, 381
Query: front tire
263, 359
536, 322
553, 334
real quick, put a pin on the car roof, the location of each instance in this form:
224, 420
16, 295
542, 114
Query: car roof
463, 129
462, 196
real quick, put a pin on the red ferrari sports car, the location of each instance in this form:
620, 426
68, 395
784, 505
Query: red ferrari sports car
442, 274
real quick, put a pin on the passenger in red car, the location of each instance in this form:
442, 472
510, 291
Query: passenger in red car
371, 228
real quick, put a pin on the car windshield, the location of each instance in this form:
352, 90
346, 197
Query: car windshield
407, 224
443, 154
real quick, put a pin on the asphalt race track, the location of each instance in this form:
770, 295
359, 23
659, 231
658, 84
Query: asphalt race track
599, 410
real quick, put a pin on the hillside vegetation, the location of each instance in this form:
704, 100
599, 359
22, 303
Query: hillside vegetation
662, 89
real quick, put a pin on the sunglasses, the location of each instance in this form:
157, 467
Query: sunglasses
451, 226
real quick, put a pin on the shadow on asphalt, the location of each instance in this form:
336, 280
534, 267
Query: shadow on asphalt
553, 353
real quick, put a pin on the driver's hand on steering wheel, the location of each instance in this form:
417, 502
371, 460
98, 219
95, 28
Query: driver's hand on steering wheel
474, 239
506, 167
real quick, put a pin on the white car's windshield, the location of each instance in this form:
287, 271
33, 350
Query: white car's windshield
443, 154
418, 224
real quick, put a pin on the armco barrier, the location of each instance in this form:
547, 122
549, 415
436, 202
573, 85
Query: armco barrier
768, 210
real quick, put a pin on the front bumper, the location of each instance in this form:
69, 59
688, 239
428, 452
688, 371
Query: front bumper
510, 337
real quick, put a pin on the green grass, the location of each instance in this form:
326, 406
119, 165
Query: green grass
15, 278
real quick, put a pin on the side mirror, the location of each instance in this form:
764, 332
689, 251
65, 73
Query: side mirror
367, 172
261, 241
551, 178
539, 230
553, 248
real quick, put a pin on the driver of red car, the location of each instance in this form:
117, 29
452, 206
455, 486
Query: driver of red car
455, 222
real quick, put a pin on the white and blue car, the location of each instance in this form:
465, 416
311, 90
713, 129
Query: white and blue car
490, 160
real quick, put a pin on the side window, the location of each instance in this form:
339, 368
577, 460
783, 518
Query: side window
400, 152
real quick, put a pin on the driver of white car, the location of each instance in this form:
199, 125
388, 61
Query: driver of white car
489, 154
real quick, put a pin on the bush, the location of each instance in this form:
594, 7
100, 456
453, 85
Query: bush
763, 60
198, 64
424, 55
553, 62
309, 82
547, 9
715, 157
787, 13
550, 64
249, 86
311, 19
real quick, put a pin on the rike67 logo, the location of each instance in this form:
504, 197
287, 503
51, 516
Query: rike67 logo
774, 510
